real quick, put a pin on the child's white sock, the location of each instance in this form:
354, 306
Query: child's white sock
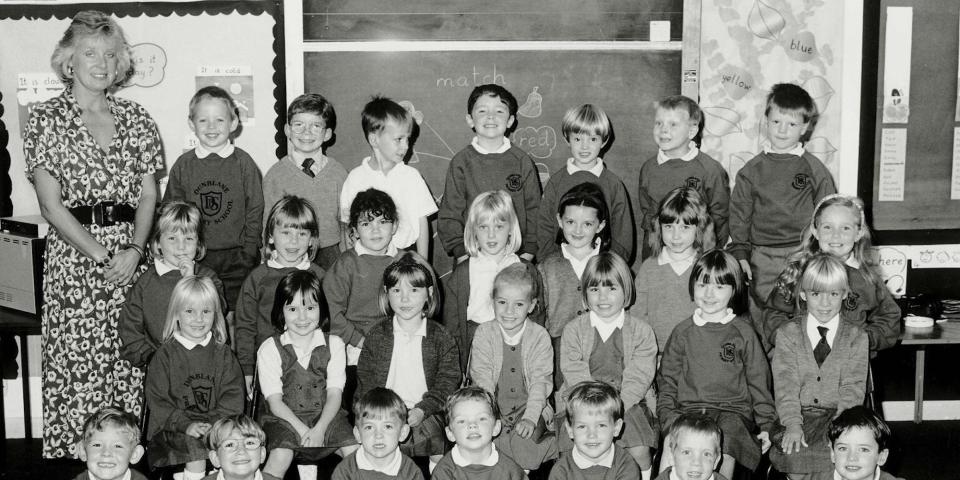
188, 475
307, 472
645, 474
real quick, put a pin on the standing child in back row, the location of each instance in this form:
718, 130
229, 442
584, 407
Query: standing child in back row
307, 173
679, 163
386, 127
587, 130
775, 192
225, 183
490, 162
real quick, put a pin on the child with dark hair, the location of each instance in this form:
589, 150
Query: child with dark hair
386, 127
302, 374
411, 354
381, 424
290, 239
226, 184
473, 419
860, 444
350, 286
490, 162
775, 192
680, 163
713, 364
586, 130
594, 419
695, 441
236, 446
307, 173
110, 443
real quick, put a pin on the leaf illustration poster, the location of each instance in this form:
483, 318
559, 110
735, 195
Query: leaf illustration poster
747, 46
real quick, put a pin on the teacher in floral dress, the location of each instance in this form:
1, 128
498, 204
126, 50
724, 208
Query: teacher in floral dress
91, 157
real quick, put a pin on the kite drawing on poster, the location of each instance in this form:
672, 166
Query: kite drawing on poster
237, 81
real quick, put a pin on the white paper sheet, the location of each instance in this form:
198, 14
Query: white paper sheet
893, 155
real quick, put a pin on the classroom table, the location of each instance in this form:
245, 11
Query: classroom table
942, 333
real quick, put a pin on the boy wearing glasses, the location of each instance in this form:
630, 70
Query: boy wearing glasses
307, 173
236, 446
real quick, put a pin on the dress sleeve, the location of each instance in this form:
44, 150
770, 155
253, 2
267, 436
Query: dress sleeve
40, 143
151, 147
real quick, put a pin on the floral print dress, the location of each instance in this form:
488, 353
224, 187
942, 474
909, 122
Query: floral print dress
81, 367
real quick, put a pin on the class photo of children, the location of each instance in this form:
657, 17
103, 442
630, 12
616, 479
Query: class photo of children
439, 239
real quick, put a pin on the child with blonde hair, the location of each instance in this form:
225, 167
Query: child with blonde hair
492, 238
512, 359
193, 379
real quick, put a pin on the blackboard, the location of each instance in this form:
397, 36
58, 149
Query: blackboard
933, 97
436, 84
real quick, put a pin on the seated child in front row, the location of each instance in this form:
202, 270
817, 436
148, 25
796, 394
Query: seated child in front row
609, 344
381, 423
473, 419
192, 380
819, 369
352, 286
695, 441
859, 441
594, 418
302, 375
492, 237
587, 130
713, 364
111, 442
290, 236
236, 446
513, 360
411, 354
176, 247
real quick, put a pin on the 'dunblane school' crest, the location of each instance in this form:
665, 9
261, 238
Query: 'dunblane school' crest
201, 397
210, 202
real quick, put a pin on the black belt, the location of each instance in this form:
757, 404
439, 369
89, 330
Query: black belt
105, 214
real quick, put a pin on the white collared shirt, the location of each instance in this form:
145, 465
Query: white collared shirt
583, 463
270, 363
461, 461
876, 474
852, 262
814, 335
190, 344
303, 265
674, 476
514, 340
483, 269
699, 321
162, 267
391, 469
256, 476
579, 265
361, 250
503, 147
794, 150
662, 157
126, 476
606, 328
678, 266
224, 152
572, 167
406, 376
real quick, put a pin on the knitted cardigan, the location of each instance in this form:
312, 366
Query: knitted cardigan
840, 383
562, 294
440, 363
486, 362
639, 352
